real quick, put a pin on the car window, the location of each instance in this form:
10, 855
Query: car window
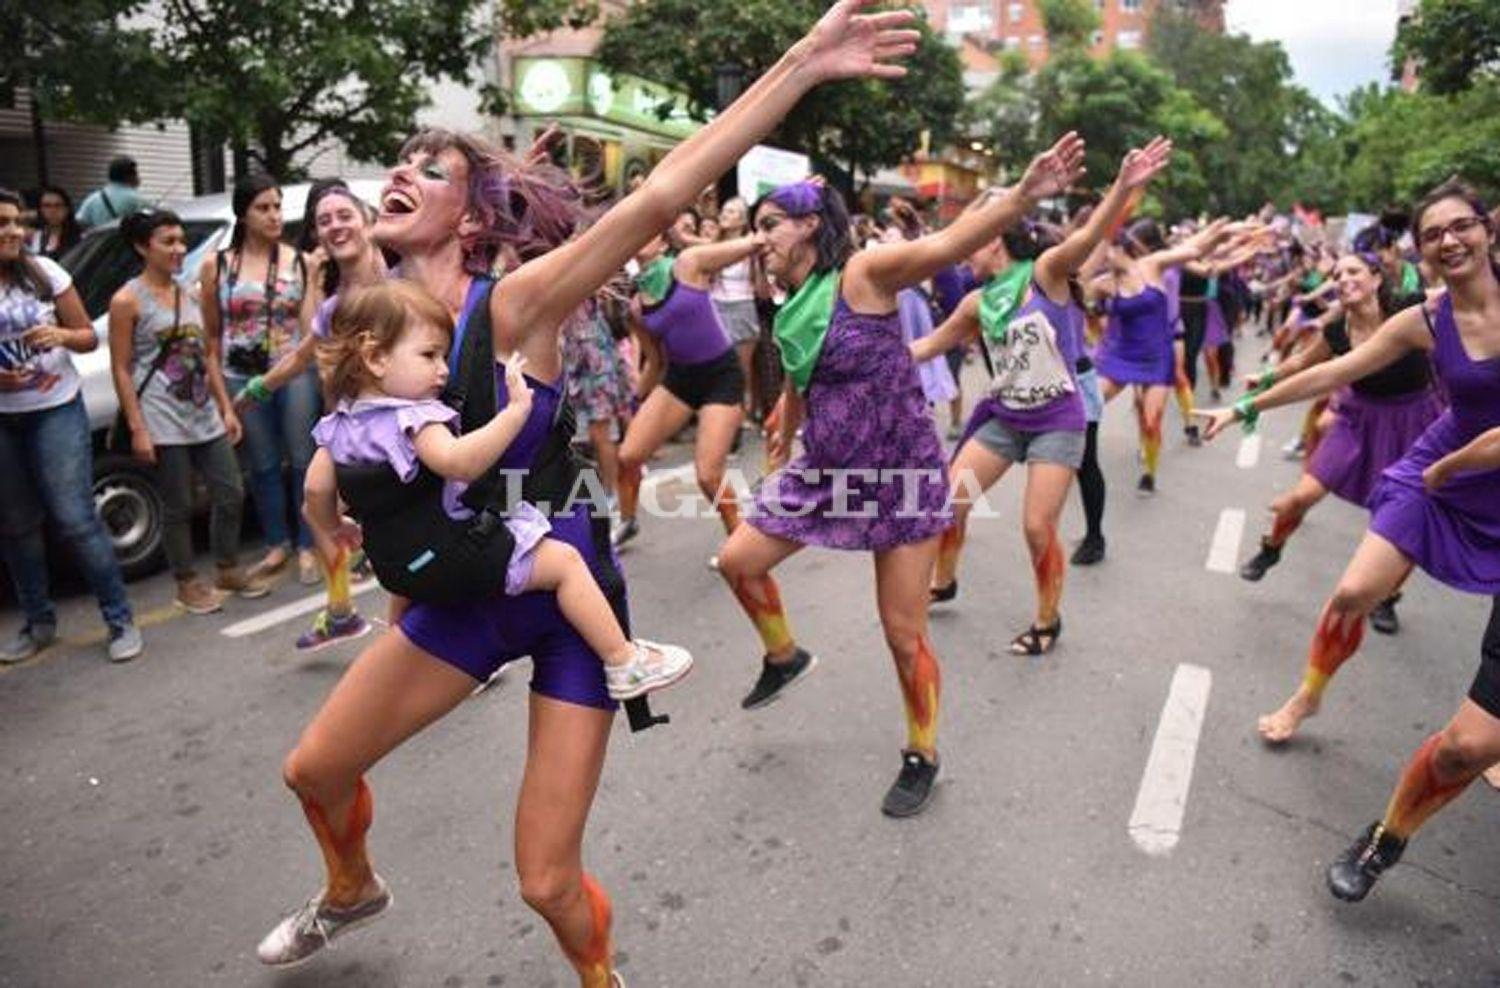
102, 262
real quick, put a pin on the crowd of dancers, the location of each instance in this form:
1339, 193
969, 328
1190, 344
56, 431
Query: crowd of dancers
482, 316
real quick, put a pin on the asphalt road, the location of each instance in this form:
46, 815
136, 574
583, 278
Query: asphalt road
146, 840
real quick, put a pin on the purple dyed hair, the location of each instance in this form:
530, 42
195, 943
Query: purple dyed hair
798, 198
524, 210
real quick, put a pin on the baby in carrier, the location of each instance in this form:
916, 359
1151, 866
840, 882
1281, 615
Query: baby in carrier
390, 450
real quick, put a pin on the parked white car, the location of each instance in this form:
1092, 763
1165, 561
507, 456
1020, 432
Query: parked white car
125, 489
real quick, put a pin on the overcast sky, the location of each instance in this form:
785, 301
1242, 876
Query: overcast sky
1335, 45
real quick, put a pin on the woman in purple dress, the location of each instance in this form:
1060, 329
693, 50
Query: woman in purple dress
871, 477
1029, 320
452, 207
1432, 509
1375, 420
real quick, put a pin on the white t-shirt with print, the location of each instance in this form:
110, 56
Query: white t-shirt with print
51, 377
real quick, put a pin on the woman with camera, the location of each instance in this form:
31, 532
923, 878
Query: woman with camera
251, 297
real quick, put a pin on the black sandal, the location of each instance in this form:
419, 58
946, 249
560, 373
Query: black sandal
1036, 641
941, 595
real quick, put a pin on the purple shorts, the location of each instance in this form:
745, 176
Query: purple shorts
479, 638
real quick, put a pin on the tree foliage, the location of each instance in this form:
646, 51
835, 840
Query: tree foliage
274, 77
852, 127
1069, 23
1456, 42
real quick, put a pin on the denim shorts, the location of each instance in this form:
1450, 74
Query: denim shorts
1018, 446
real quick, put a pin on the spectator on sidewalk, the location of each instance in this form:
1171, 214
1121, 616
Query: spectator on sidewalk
45, 458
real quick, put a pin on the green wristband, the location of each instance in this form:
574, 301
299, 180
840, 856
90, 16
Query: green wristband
256, 389
1267, 378
1247, 413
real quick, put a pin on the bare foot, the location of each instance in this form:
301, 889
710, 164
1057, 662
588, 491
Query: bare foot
1493, 776
1279, 727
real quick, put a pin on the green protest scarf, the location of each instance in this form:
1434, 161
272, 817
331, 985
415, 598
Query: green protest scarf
802, 325
1002, 297
655, 280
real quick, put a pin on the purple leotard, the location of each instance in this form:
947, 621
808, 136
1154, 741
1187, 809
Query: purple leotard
481, 637
688, 325
1137, 343
1454, 532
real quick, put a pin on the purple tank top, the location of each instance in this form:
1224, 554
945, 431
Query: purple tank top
1035, 388
688, 325
1473, 385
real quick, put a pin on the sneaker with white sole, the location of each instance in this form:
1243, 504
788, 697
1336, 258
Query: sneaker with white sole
125, 643
315, 926
27, 642
330, 630
653, 667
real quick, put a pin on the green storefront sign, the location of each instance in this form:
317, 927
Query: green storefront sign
551, 87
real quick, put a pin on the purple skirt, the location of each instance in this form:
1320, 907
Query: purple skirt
873, 475
1215, 328
1454, 532
1367, 436
1135, 361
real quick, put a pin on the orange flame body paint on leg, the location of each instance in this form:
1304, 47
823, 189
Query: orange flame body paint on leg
1049, 570
761, 599
629, 484
344, 849
593, 960
728, 506
921, 685
1151, 441
336, 576
1338, 637
950, 547
1421, 792
1184, 392
1311, 434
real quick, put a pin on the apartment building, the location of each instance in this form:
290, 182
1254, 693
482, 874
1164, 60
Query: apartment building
1017, 24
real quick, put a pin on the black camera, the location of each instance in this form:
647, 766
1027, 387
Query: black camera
247, 361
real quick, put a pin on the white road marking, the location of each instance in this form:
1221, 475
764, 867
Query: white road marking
1249, 452
1224, 552
657, 477
286, 612
1156, 822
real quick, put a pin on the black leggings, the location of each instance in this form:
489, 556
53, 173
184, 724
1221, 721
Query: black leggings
1091, 484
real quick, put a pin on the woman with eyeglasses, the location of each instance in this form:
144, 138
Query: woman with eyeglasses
46, 463
1437, 507
252, 294
57, 228
1030, 318
1376, 419
871, 478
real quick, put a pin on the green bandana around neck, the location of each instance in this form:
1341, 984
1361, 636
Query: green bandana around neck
1001, 298
802, 325
655, 280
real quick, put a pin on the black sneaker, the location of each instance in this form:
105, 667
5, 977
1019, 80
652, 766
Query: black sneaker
912, 789
1353, 873
1089, 552
1194, 438
941, 595
775, 677
1383, 618
1146, 485
1255, 567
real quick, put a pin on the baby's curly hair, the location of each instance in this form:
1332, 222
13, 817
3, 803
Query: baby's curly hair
370, 321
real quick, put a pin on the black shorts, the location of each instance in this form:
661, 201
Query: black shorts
1486, 689
719, 381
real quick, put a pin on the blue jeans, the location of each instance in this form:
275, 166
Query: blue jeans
47, 468
276, 431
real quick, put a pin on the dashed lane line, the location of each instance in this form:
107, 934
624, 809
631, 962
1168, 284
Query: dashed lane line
1156, 822
1224, 551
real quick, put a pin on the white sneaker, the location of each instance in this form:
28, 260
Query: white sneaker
653, 667
314, 926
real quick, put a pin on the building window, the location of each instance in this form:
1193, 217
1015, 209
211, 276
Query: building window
1130, 6
1012, 43
1129, 39
1017, 11
1035, 41
969, 18
1096, 39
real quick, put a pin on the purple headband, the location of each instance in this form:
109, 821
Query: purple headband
1371, 261
798, 198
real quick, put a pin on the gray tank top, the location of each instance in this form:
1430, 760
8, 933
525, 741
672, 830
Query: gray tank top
175, 401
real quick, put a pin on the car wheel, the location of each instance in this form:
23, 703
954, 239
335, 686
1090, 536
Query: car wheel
130, 506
